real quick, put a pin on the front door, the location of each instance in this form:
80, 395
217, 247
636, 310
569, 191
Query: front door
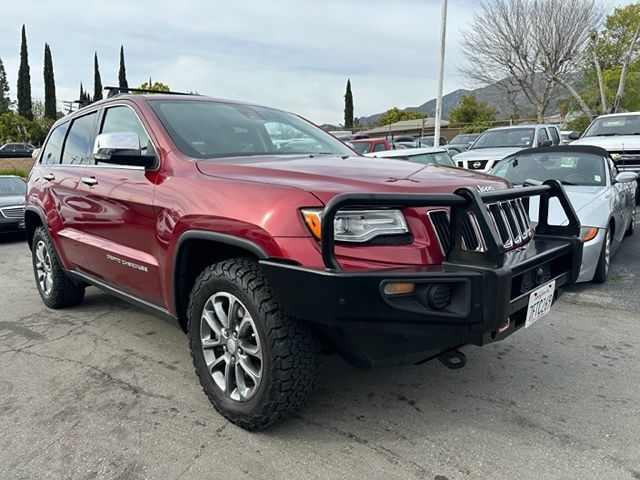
120, 231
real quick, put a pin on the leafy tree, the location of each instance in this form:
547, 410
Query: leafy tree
155, 86
470, 111
97, 82
84, 98
16, 128
348, 106
610, 75
122, 73
24, 80
50, 110
5, 101
38, 107
394, 115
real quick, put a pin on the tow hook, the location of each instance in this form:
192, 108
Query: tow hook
453, 360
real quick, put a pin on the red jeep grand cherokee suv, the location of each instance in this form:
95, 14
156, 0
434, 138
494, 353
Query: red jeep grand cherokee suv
267, 241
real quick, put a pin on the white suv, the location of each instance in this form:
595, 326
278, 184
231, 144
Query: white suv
500, 142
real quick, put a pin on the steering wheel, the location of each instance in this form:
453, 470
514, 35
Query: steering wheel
578, 178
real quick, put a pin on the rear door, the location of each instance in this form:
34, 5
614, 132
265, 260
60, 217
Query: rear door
61, 171
120, 229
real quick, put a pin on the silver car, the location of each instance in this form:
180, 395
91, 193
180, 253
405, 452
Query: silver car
603, 198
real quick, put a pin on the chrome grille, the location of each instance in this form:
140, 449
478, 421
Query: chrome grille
13, 212
509, 217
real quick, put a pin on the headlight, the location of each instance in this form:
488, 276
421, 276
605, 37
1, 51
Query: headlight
588, 233
358, 225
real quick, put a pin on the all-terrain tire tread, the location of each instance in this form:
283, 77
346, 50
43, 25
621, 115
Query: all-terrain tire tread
295, 359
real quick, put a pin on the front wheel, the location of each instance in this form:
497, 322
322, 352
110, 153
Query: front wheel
602, 270
256, 365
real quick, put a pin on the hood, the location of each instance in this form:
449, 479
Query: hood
487, 153
6, 200
582, 199
616, 143
325, 176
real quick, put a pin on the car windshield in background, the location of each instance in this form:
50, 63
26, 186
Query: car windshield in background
617, 125
437, 158
511, 137
10, 187
463, 139
361, 147
205, 129
569, 168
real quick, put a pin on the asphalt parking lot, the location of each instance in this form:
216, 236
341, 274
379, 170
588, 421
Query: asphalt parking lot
105, 390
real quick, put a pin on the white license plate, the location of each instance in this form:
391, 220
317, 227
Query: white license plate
540, 301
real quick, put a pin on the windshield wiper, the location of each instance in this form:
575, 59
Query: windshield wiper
605, 135
564, 182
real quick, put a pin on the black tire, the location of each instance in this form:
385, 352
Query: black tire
602, 270
290, 351
632, 226
63, 291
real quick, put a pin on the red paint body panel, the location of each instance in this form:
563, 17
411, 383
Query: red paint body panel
125, 229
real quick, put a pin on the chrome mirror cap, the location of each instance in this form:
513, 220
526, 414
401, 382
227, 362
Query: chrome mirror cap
116, 143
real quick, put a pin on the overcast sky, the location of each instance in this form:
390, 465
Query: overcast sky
291, 54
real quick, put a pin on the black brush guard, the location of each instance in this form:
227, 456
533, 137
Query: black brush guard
350, 310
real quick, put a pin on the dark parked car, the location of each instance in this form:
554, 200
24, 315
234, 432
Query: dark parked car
16, 150
464, 140
12, 192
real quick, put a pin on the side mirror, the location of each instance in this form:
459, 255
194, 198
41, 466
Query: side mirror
574, 136
625, 177
121, 148
546, 143
35, 154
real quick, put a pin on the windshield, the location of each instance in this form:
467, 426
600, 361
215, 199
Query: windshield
569, 167
361, 147
618, 125
463, 139
511, 137
12, 187
206, 129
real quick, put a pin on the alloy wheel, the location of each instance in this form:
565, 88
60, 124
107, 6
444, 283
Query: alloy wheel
231, 346
43, 268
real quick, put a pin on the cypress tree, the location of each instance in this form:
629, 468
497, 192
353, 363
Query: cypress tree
49, 85
97, 83
24, 81
5, 102
348, 106
122, 74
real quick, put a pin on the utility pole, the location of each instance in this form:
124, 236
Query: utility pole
443, 35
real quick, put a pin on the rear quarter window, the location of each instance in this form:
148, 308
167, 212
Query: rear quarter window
53, 147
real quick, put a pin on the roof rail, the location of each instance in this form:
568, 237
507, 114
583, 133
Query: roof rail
116, 90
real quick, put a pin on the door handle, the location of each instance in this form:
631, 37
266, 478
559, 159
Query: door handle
89, 181
49, 177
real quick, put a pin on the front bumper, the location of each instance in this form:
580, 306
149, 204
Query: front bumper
370, 328
591, 251
11, 224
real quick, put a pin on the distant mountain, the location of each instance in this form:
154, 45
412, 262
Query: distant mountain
518, 106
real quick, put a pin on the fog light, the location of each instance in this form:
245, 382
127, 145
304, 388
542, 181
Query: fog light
397, 288
439, 296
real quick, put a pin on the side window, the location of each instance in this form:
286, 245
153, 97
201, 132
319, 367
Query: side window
79, 144
124, 119
542, 136
380, 147
53, 148
554, 135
